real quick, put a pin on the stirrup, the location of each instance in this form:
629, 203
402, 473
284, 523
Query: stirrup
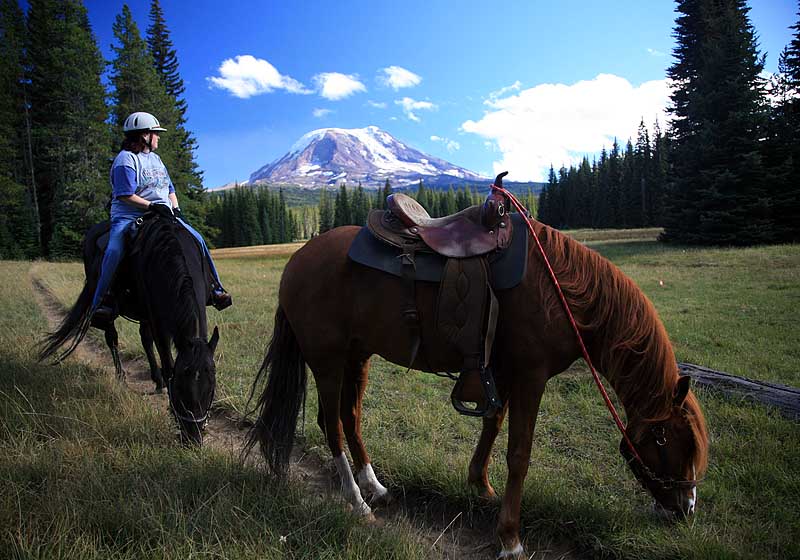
493, 403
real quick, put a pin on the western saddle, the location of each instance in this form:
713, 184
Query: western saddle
467, 308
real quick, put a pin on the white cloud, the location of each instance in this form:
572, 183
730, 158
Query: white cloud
335, 86
319, 113
410, 105
376, 104
246, 76
558, 124
516, 86
655, 52
397, 77
451, 145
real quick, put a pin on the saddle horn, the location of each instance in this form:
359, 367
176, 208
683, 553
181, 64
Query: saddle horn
498, 182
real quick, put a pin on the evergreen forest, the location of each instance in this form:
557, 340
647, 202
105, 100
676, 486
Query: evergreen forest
723, 170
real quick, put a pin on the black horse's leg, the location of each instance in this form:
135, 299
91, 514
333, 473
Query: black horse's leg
165, 355
147, 343
112, 341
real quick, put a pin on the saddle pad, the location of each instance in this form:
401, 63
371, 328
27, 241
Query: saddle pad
507, 267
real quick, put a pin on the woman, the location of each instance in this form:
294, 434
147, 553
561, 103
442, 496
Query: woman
140, 183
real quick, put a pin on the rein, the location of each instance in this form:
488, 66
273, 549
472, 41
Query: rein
524, 212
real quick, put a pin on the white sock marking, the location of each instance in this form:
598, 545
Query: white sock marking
369, 483
349, 487
516, 551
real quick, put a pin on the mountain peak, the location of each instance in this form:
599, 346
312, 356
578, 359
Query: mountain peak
329, 156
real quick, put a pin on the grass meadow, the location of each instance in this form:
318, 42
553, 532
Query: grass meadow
91, 471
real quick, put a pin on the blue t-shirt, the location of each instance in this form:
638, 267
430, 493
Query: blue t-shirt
143, 174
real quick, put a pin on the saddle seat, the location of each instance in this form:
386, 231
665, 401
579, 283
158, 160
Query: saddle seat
473, 232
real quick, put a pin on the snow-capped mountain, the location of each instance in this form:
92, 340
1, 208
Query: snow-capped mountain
330, 156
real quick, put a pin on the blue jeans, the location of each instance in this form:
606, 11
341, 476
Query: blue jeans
115, 250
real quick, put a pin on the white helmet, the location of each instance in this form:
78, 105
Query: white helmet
141, 121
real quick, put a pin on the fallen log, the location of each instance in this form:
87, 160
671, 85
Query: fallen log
782, 397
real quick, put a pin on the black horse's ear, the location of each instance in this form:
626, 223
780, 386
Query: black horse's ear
681, 390
212, 344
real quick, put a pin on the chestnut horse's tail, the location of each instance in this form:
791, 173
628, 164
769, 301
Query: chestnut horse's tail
279, 404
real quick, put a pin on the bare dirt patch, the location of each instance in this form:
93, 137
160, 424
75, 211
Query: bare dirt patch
450, 532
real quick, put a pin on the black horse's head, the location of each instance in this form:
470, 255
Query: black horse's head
192, 386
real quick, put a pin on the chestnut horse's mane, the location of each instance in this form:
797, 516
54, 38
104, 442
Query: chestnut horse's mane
623, 333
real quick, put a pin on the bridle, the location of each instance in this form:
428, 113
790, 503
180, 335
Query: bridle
190, 419
646, 477
643, 474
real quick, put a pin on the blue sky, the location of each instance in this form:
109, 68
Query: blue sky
487, 86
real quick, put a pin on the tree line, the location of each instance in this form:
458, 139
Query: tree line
352, 207
622, 189
245, 216
60, 126
727, 172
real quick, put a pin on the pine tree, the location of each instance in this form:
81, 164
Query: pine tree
782, 149
185, 173
68, 112
716, 193
360, 207
325, 211
342, 210
19, 232
138, 87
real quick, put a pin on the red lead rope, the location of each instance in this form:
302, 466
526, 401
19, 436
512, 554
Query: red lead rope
524, 213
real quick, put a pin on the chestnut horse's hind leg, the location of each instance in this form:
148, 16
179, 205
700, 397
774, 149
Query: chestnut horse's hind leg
329, 387
478, 475
352, 396
523, 407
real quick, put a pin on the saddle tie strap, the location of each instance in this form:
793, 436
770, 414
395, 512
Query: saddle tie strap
409, 302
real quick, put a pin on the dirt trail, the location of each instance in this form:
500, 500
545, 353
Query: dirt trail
450, 532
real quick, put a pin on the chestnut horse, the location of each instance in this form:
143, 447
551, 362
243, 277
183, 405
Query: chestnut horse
334, 314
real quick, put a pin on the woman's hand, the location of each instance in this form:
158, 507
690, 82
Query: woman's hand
161, 210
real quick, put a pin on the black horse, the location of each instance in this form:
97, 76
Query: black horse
164, 283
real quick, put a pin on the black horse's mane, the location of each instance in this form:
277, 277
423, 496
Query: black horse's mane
169, 279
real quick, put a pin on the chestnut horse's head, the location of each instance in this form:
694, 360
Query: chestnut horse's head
673, 452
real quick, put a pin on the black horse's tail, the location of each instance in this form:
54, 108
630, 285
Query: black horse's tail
77, 322
282, 398
73, 328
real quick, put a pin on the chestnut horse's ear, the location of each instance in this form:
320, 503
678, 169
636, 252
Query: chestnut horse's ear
212, 344
681, 390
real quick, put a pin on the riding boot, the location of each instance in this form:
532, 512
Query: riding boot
105, 313
221, 299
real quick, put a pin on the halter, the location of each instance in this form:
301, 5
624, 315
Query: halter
642, 473
185, 418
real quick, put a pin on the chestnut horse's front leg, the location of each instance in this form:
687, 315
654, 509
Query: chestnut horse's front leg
523, 407
478, 475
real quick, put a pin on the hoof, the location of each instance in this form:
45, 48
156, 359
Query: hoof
380, 499
485, 492
515, 552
